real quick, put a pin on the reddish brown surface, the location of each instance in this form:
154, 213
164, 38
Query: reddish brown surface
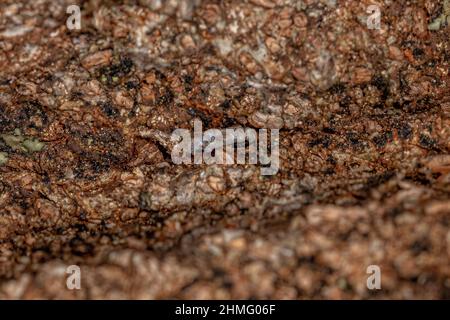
365, 138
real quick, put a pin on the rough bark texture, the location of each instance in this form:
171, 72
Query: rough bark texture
86, 176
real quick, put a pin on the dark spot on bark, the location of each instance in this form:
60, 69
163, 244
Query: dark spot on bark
5, 122
228, 122
160, 75
397, 105
117, 70
338, 88
323, 141
427, 142
145, 201
432, 63
331, 160
199, 114
125, 65
353, 138
420, 178
445, 292
379, 179
80, 227
109, 109
166, 98
381, 84
188, 82
226, 104
329, 130
80, 247
132, 85
165, 153
419, 246
418, 52
382, 139
378, 106
403, 83
422, 105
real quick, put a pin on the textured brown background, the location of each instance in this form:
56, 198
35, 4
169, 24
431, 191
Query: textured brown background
364, 128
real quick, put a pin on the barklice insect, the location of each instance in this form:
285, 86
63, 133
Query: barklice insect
217, 147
